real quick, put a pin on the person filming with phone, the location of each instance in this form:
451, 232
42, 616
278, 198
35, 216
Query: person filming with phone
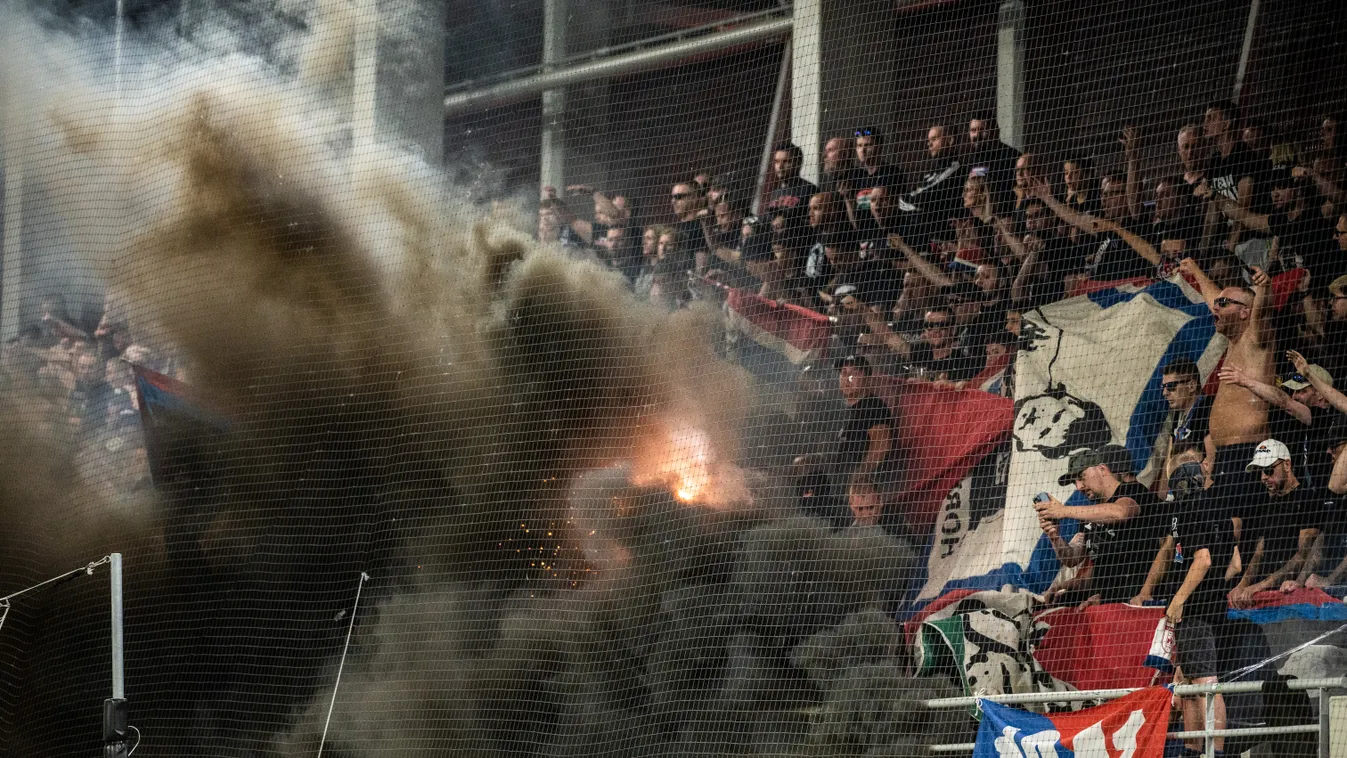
1111, 552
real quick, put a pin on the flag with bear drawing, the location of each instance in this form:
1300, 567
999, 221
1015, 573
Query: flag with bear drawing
1133, 726
1088, 373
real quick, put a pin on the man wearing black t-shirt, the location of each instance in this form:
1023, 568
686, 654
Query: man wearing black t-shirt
993, 159
1337, 488
1281, 528
1112, 532
1230, 173
871, 171
867, 439
837, 153
1198, 552
1189, 409
938, 198
688, 201
792, 193
1048, 258
938, 354
1175, 229
1304, 237
1112, 251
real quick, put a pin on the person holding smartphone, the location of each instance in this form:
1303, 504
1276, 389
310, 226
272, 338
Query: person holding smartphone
1111, 552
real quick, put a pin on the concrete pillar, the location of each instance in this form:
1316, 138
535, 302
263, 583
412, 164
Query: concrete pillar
1010, 73
11, 269
398, 77
844, 56
806, 78
553, 158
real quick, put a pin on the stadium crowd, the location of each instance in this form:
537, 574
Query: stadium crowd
926, 275
78, 379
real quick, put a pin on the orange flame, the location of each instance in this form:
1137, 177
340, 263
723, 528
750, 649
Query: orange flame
683, 461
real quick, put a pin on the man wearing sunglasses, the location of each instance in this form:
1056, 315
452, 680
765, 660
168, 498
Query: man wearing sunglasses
1238, 416
688, 200
1282, 529
1189, 408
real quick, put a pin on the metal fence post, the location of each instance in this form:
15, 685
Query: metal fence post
1208, 724
114, 708
1326, 696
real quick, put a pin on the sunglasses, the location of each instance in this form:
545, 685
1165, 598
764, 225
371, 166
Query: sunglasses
935, 324
1222, 302
1171, 386
681, 195
1265, 470
864, 132
1297, 378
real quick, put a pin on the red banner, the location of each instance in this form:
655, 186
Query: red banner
942, 434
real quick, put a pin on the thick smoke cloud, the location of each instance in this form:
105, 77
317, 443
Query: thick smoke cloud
493, 432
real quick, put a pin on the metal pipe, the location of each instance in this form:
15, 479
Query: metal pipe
1030, 697
118, 670
1209, 724
552, 153
1251, 731
364, 81
520, 89
117, 34
1245, 49
772, 123
1182, 690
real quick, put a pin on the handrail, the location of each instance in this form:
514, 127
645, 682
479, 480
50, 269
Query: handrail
1182, 689
1207, 690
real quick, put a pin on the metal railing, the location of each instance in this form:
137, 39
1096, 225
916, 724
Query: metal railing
1326, 687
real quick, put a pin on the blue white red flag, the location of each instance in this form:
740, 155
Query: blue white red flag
1129, 727
1089, 374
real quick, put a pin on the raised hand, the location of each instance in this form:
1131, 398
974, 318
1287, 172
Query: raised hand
1302, 366
1130, 139
1260, 277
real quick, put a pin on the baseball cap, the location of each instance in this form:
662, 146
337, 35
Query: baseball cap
1268, 453
1299, 382
1079, 461
1118, 459
1338, 287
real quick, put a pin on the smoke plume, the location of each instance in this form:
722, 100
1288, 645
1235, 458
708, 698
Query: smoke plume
539, 474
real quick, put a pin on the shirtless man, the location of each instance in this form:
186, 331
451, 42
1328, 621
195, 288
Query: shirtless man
1238, 417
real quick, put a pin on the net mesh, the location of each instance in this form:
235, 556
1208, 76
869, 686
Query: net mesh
687, 378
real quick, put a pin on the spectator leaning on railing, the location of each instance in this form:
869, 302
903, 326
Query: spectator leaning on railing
1282, 527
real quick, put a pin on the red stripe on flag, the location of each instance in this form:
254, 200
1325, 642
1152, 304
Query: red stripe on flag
780, 326
942, 434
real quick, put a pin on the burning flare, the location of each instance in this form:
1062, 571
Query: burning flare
683, 461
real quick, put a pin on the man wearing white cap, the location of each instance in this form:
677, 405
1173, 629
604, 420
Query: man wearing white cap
1278, 536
